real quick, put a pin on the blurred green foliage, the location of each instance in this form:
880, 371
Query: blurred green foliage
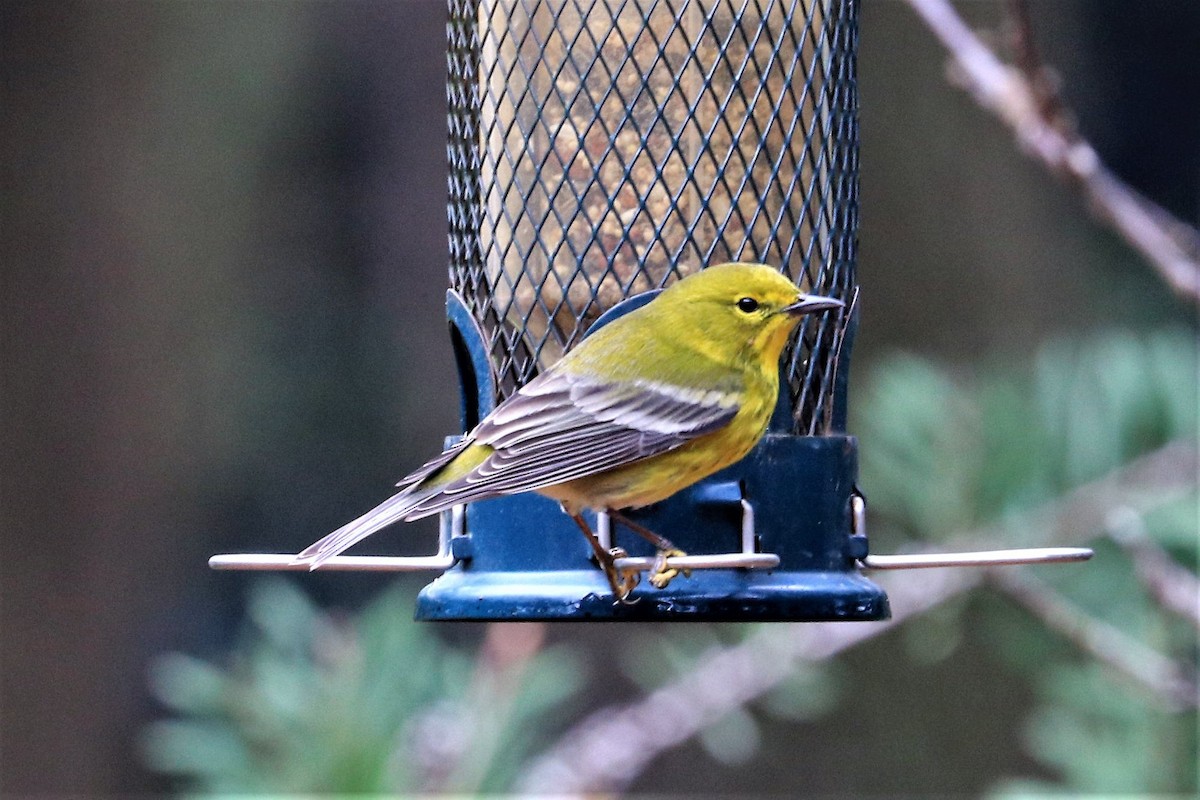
314, 702
943, 454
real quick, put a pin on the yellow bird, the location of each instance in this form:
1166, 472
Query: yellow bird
647, 405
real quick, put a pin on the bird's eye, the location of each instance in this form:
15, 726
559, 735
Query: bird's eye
747, 304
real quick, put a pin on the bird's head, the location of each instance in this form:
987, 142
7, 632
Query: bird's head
743, 306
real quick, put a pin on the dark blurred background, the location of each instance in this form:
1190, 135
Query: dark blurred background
224, 259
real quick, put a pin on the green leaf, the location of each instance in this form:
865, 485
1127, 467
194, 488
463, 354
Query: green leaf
732, 740
188, 684
315, 703
809, 692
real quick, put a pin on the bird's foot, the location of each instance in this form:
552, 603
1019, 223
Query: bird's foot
662, 574
623, 582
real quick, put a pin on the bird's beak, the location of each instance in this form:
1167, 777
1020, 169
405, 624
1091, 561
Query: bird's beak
810, 303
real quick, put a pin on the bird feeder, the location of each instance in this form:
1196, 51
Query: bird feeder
600, 150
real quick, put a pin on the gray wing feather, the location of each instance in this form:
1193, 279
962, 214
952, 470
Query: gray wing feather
562, 427
434, 464
557, 428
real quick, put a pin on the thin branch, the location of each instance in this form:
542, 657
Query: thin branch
610, 748
1167, 243
607, 750
1042, 81
1163, 677
455, 742
1173, 587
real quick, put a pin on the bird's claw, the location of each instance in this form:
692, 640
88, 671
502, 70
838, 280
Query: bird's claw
623, 582
662, 574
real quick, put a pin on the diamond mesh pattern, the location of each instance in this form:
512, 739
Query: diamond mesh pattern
600, 148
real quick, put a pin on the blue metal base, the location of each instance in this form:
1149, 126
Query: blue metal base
713, 596
523, 559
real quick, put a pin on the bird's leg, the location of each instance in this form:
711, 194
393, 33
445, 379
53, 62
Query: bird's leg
661, 574
622, 584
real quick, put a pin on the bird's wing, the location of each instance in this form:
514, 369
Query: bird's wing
557, 428
564, 426
434, 464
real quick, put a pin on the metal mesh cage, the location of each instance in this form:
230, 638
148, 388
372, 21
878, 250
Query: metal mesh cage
600, 148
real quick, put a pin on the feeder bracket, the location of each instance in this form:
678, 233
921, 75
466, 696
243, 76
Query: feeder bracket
748, 558
453, 530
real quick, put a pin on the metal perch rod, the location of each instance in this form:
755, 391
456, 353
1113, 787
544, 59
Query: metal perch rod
287, 561
987, 558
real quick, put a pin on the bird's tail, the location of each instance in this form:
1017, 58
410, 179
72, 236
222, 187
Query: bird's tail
396, 508
414, 490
